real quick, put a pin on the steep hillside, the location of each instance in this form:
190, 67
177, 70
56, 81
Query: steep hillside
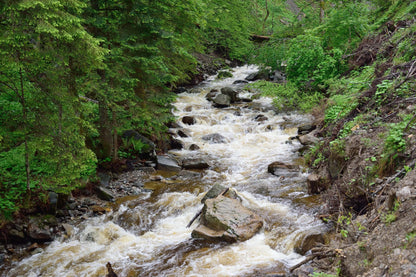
365, 160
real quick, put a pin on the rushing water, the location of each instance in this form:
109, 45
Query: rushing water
146, 235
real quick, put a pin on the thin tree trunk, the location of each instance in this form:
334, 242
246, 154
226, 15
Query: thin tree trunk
267, 15
25, 122
115, 143
322, 10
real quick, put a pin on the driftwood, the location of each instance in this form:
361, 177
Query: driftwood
320, 253
200, 212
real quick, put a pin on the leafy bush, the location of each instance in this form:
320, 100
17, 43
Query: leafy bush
286, 96
339, 106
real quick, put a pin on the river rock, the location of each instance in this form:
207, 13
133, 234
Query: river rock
308, 139
306, 129
175, 144
165, 162
194, 147
262, 74
222, 101
194, 163
216, 190
189, 120
211, 95
226, 219
182, 134
240, 82
279, 168
231, 93
214, 138
307, 242
39, 227
261, 118
104, 194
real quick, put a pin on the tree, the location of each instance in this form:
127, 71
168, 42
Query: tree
44, 51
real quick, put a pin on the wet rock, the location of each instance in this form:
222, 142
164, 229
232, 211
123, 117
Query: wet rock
317, 183
69, 229
261, 118
182, 134
307, 242
104, 193
226, 219
180, 90
214, 138
105, 179
279, 168
308, 139
240, 82
211, 95
189, 120
222, 101
175, 144
167, 163
53, 202
231, 93
99, 209
195, 90
39, 228
16, 235
260, 75
188, 109
32, 247
194, 147
306, 129
194, 163
216, 190
188, 174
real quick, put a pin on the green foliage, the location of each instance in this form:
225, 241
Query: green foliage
286, 96
391, 216
338, 107
345, 25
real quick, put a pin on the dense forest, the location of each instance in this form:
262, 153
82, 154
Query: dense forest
75, 75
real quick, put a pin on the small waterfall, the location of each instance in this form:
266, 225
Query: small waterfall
147, 236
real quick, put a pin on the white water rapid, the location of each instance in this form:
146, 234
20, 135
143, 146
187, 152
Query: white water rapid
146, 235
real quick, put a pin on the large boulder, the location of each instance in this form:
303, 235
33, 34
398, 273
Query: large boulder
218, 189
231, 93
225, 219
194, 163
222, 101
167, 163
214, 138
282, 169
104, 193
307, 241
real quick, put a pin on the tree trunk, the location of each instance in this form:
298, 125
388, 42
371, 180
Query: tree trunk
265, 18
322, 10
25, 122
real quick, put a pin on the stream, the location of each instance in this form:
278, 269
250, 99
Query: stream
146, 234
